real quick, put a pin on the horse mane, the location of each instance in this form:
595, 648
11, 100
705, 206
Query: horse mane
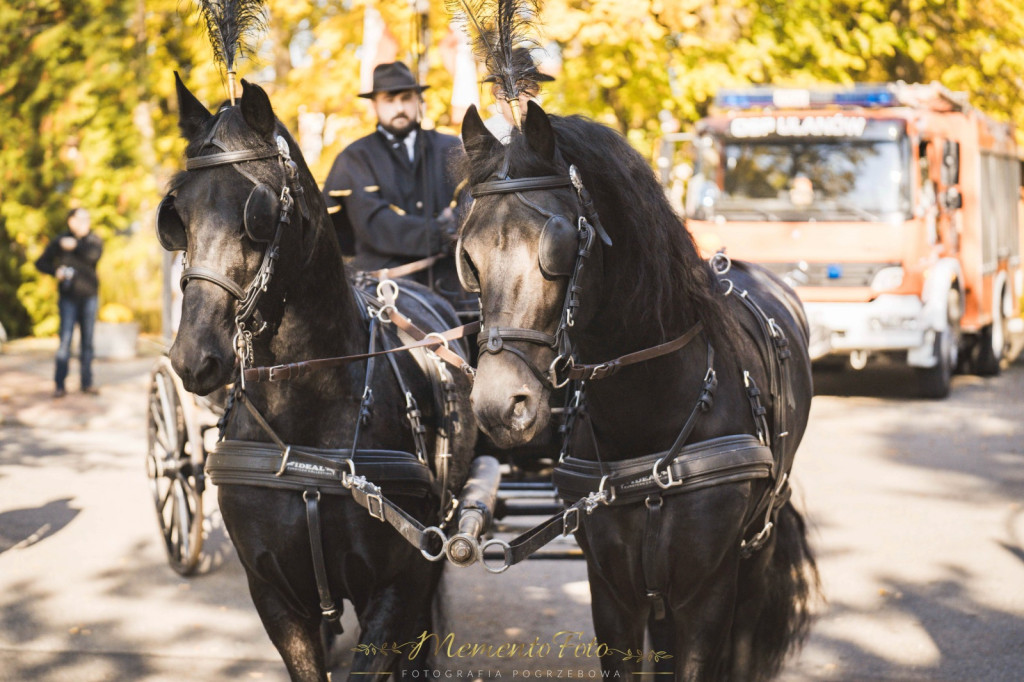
653, 269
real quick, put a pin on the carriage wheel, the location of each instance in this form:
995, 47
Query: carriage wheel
174, 467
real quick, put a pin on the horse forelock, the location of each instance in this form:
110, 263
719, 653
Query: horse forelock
658, 273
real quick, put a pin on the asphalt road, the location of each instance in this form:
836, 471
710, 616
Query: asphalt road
916, 511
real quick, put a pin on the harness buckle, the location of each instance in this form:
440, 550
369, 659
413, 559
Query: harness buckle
374, 496
672, 482
572, 514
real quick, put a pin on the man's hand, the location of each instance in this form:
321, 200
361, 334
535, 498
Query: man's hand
447, 221
68, 243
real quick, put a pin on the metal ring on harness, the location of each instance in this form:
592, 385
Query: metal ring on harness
601, 490
439, 337
383, 286
657, 477
553, 372
444, 542
346, 478
720, 263
506, 550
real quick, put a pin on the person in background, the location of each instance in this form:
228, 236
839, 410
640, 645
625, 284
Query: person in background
501, 123
72, 258
391, 194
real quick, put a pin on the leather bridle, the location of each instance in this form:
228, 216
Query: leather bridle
248, 321
587, 224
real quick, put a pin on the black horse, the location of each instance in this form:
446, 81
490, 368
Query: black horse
579, 258
246, 179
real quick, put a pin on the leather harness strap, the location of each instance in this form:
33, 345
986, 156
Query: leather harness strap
208, 274
297, 369
580, 372
653, 569
235, 462
583, 485
513, 185
695, 466
328, 606
224, 158
400, 270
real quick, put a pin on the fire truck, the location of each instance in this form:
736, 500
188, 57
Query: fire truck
895, 210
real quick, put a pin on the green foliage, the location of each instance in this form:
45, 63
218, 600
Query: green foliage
89, 109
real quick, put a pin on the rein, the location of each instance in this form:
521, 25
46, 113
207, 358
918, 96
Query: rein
385, 310
400, 270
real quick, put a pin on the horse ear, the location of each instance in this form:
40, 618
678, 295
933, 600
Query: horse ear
191, 112
540, 136
476, 138
256, 109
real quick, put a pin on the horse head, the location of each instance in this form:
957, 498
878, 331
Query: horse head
528, 248
234, 212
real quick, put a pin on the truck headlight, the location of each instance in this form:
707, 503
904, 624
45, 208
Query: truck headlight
887, 279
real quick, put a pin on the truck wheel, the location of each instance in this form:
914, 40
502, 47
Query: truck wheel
991, 345
934, 382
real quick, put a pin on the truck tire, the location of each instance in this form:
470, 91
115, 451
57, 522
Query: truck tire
991, 346
934, 382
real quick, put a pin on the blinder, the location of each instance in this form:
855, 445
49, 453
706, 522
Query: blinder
556, 249
261, 213
170, 230
262, 209
465, 270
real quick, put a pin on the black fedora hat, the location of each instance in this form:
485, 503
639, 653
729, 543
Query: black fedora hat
393, 77
523, 55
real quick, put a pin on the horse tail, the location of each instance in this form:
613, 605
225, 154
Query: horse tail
777, 590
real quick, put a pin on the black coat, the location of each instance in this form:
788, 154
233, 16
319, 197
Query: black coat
385, 207
83, 258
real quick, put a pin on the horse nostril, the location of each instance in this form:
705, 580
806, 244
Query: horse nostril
519, 405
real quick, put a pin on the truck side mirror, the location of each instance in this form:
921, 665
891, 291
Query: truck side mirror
950, 163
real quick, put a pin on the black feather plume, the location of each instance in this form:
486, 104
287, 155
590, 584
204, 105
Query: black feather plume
229, 24
499, 29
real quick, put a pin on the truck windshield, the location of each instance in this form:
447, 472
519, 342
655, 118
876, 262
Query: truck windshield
800, 179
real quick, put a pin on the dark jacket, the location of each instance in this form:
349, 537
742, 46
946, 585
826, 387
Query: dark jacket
384, 206
83, 258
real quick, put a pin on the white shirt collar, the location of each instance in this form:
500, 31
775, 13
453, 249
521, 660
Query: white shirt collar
410, 140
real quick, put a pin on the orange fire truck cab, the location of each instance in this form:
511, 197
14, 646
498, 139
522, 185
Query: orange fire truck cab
892, 209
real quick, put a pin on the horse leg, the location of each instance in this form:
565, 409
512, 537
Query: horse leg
618, 625
776, 587
662, 634
703, 625
296, 638
393, 620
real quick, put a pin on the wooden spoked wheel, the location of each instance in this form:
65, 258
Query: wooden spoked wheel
174, 465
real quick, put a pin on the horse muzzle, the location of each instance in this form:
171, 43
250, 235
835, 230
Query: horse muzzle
509, 402
203, 367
